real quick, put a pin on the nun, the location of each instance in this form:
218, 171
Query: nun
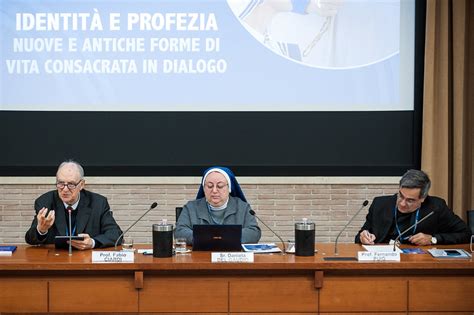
220, 200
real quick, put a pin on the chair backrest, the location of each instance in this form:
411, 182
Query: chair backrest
470, 220
178, 212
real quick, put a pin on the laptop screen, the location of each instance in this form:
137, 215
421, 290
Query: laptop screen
215, 237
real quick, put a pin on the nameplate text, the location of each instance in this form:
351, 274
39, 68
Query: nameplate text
378, 256
112, 257
232, 257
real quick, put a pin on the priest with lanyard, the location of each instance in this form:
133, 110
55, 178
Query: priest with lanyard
220, 200
91, 216
389, 216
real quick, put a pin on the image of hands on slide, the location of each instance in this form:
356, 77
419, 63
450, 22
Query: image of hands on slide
324, 33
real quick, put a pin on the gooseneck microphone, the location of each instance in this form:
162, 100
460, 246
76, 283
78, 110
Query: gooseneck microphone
281, 240
408, 229
153, 206
336, 253
69, 210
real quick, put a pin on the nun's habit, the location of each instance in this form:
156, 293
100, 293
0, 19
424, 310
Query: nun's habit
234, 187
237, 211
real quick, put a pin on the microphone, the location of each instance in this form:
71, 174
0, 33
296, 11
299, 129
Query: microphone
153, 206
281, 240
69, 209
336, 253
397, 240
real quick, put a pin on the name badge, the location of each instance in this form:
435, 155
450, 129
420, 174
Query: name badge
378, 256
232, 257
112, 257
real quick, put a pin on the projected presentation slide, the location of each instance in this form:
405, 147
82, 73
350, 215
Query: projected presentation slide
204, 55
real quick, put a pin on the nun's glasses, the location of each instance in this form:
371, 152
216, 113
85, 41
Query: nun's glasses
219, 186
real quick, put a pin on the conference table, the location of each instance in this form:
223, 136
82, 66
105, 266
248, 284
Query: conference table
39, 279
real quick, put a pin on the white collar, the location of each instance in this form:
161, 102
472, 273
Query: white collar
218, 208
74, 206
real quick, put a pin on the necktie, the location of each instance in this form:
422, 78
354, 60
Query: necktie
73, 219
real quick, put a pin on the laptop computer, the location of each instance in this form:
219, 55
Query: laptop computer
215, 237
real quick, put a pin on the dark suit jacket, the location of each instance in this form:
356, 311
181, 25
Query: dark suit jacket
447, 227
93, 217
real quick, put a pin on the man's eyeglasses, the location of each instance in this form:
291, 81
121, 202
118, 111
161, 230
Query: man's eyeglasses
219, 186
70, 186
409, 201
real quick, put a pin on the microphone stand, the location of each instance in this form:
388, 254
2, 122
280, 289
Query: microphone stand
153, 206
397, 240
336, 253
70, 231
281, 240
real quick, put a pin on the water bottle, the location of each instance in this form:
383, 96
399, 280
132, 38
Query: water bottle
163, 239
304, 238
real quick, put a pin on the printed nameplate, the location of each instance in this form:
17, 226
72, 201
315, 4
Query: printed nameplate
232, 257
378, 256
112, 257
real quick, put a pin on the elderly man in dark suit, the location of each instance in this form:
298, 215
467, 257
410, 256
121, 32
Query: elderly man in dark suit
90, 213
389, 216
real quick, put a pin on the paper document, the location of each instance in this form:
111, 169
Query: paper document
291, 248
415, 250
261, 248
381, 248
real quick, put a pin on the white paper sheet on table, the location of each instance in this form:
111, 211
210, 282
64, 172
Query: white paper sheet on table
381, 248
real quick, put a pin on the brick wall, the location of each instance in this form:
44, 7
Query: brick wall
329, 202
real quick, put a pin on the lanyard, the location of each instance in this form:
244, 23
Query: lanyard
396, 222
73, 230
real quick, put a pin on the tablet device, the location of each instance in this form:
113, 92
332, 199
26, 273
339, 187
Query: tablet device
452, 252
61, 241
216, 237
449, 253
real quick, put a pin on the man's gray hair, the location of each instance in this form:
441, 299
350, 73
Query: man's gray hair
79, 167
416, 179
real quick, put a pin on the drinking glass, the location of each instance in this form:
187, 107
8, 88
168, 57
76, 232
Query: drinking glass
127, 245
180, 245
